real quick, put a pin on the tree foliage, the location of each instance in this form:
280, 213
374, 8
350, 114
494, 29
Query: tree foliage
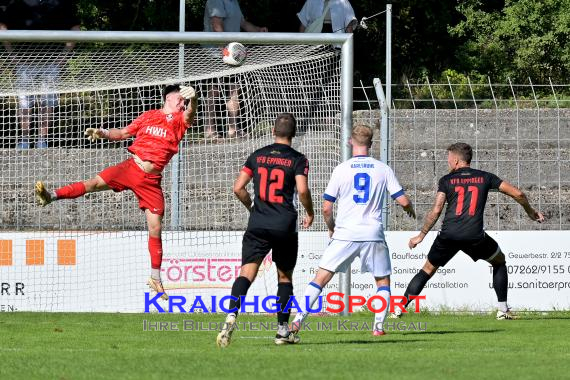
524, 39
499, 38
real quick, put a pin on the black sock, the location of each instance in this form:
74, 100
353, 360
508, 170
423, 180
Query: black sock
284, 292
501, 282
416, 286
239, 288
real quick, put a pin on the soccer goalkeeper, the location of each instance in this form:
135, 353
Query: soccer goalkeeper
157, 135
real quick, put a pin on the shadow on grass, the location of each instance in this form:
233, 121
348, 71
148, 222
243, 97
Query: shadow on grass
416, 333
443, 332
363, 341
545, 318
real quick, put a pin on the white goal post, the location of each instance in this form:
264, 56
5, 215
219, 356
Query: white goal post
56, 258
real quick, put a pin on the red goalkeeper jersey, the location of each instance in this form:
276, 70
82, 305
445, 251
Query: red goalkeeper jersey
157, 136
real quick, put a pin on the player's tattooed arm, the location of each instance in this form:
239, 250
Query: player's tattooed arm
431, 219
328, 215
435, 212
240, 189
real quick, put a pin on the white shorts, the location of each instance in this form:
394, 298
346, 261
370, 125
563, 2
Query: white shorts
374, 257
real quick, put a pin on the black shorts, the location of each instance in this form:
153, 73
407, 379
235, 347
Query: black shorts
443, 250
258, 242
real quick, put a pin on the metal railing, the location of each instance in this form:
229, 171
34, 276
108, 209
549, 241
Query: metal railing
518, 131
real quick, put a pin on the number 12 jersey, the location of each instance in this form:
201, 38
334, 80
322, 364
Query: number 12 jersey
273, 169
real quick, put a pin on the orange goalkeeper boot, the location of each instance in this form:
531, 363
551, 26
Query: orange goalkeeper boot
42, 195
156, 286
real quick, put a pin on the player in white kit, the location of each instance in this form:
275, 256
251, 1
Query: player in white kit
358, 186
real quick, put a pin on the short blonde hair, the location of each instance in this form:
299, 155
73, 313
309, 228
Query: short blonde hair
362, 135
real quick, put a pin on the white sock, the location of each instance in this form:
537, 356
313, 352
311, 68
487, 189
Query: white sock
384, 292
313, 291
155, 274
503, 306
53, 195
283, 330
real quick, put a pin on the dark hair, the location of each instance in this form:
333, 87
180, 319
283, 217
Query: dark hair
464, 151
170, 88
285, 125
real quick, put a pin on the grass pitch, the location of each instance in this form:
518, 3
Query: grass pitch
115, 346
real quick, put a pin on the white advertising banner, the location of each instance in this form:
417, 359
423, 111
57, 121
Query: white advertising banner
106, 272
538, 264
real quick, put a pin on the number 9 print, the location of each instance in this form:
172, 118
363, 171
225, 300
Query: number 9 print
362, 186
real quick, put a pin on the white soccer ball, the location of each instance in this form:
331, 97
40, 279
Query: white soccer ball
234, 54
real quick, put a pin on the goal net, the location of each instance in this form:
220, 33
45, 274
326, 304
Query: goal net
90, 254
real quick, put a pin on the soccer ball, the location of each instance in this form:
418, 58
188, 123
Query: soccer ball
234, 54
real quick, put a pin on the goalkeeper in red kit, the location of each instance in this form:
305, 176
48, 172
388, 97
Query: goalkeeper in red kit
157, 135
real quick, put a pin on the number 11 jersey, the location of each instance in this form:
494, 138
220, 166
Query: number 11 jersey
359, 185
466, 191
273, 169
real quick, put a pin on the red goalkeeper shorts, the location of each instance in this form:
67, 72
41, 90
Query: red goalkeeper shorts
146, 186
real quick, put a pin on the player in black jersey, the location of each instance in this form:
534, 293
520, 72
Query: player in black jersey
277, 171
465, 190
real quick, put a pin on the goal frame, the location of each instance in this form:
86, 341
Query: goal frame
344, 40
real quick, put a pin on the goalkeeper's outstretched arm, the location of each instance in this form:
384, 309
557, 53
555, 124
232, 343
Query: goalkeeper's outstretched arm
188, 93
190, 112
113, 134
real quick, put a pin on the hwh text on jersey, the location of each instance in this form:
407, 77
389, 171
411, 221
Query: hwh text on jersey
155, 131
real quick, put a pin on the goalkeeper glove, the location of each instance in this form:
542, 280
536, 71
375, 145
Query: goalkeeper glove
94, 134
187, 92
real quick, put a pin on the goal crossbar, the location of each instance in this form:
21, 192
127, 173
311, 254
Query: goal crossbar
344, 39
175, 37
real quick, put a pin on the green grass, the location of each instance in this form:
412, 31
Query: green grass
114, 346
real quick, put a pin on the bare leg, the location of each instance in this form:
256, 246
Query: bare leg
25, 122
154, 223
250, 270
45, 122
210, 128
95, 184
323, 277
24, 141
232, 106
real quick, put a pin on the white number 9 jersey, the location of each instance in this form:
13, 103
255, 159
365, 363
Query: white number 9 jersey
359, 186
